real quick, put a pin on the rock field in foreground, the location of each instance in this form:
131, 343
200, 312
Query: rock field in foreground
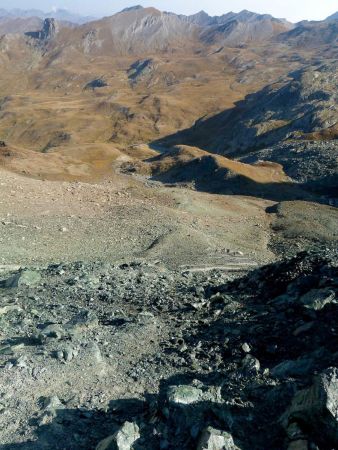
139, 356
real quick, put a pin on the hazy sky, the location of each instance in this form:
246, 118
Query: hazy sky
293, 10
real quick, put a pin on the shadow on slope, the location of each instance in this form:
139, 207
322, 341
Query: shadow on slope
300, 106
215, 174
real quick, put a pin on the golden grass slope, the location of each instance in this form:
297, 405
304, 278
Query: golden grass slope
182, 156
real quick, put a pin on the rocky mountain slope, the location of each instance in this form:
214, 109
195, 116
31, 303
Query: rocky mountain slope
244, 27
190, 164
237, 28
139, 30
300, 110
134, 31
312, 34
302, 106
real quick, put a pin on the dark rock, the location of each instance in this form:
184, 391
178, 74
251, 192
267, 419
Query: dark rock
316, 409
296, 368
97, 83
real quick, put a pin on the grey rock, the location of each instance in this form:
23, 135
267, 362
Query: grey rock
184, 394
21, 362
67, 354
50, 407
246, 348
250, 365
123, 439
213, 439
50, 29
316, 299
317, 409
54, 331
83, 321
9, 308
27, 278
59, 355
190, 394
303, 328
52, 403
146, 318
94, 353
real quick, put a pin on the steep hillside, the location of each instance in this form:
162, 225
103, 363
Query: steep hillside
135, 31
312, 35
312, 164
303, 106
243, 28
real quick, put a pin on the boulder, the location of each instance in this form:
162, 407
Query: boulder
192, 394
250, 365
184, 395
84, 320
29, 278
53, 331
213, 439
316, 409
316, 299
123, 439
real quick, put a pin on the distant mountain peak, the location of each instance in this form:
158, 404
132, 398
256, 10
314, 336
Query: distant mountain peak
132, 8
202, 13
60, 14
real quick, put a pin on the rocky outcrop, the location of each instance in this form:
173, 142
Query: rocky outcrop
49, 30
